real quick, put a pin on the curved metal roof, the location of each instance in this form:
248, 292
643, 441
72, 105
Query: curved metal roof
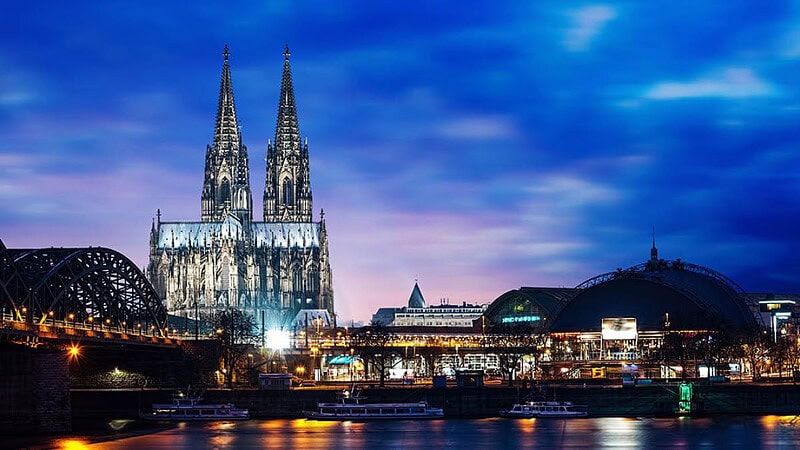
694, 296
517, 303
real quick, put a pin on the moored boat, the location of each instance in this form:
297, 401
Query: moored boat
349, 407
188, 408
564, 410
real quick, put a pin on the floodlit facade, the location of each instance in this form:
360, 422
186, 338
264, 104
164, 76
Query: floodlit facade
272, 268
418, 314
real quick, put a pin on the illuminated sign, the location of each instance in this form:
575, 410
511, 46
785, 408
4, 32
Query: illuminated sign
776, 305
521, 319
619, 328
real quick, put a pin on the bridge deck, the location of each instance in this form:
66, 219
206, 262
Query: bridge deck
15, 330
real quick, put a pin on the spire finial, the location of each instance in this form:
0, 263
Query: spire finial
654, 250
158, 214
226, 53
286, 53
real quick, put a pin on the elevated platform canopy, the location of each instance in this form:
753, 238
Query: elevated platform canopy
79, 285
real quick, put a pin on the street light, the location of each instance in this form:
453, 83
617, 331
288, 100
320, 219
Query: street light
352, 375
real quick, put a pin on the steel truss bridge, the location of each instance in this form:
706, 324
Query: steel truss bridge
92, 293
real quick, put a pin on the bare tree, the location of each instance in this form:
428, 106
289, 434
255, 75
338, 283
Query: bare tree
511, 342
755, 348
235, 331
675, 350
373, 343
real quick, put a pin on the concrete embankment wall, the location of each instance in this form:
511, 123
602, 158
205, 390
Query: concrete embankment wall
464, 402
34, 391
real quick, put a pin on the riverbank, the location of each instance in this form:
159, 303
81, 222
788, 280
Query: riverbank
633, 401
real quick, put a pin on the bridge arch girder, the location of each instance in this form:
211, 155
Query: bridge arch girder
76, 284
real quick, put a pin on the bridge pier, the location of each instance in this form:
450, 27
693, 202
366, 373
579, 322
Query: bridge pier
34, 391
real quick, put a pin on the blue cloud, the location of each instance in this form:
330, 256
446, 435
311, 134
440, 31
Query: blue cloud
479, 149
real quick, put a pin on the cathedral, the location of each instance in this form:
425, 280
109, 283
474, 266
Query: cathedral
272, 269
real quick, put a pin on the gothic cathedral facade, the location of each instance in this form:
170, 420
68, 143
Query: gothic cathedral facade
271, 269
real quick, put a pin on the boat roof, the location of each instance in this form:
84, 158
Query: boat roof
372, 405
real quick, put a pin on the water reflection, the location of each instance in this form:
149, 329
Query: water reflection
71, 444
617, 431
603, 432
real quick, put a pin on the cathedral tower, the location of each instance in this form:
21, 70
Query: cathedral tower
287, 190
274, 270
226, 189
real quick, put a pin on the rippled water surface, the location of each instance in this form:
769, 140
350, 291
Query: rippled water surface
716, 432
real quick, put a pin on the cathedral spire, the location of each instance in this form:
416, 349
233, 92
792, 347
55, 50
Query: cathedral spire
287, 130
227, 126
287, 188
226, 189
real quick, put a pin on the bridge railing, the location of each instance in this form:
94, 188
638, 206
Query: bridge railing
53, 328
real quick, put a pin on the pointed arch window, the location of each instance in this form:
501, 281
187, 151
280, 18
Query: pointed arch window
312, 281
297, 280
288, 192
225, 191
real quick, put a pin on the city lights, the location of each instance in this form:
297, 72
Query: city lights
277, 339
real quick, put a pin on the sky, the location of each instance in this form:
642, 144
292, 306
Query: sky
474, 149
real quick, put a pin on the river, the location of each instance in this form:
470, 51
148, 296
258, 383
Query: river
748, 432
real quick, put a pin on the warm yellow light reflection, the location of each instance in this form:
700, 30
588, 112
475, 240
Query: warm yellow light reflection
526, 426
71, 444
303, 424
772, 422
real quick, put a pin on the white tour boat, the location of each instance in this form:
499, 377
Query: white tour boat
349, 407
189, 408
562, 410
